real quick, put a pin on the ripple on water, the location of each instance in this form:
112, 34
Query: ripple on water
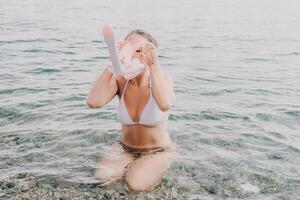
36, 40
10, 114
220, 92
264, 116
18, 117
22, 90
98, 115
44, 71
293, 113
207, 115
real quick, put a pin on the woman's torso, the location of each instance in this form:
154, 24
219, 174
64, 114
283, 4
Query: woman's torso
140, 135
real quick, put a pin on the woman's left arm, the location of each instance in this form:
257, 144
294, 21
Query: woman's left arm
162, 83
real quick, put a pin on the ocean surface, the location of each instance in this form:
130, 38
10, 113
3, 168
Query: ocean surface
236, 119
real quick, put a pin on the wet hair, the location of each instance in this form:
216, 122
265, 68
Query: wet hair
144, 34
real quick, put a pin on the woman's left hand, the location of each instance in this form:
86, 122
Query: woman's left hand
150, 54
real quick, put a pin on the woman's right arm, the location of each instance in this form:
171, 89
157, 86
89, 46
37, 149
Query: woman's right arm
103, 90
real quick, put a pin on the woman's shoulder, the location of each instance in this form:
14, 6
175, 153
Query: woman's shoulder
120, 79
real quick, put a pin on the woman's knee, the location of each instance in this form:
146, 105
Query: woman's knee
104, 173
136, 185
109, 168
137, 179
101, 175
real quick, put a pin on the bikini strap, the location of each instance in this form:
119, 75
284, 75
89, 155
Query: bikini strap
125, 87
150, 87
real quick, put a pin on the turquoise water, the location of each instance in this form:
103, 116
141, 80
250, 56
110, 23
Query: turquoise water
236, 70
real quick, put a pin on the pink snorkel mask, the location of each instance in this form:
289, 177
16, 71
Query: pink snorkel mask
122, 62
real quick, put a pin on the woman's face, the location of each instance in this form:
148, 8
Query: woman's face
137, 42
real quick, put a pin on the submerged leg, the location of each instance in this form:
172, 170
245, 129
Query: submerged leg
112, 165
145, 172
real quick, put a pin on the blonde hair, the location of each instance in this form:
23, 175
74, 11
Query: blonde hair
144, 34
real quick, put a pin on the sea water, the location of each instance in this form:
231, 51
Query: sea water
236, 72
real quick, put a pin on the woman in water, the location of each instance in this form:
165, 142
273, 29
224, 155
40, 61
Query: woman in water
145, 150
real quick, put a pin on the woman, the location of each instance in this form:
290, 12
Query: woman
145, 150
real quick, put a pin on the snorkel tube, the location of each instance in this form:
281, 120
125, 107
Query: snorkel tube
122, 62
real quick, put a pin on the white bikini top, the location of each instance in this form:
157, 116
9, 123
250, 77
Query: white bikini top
151, 114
